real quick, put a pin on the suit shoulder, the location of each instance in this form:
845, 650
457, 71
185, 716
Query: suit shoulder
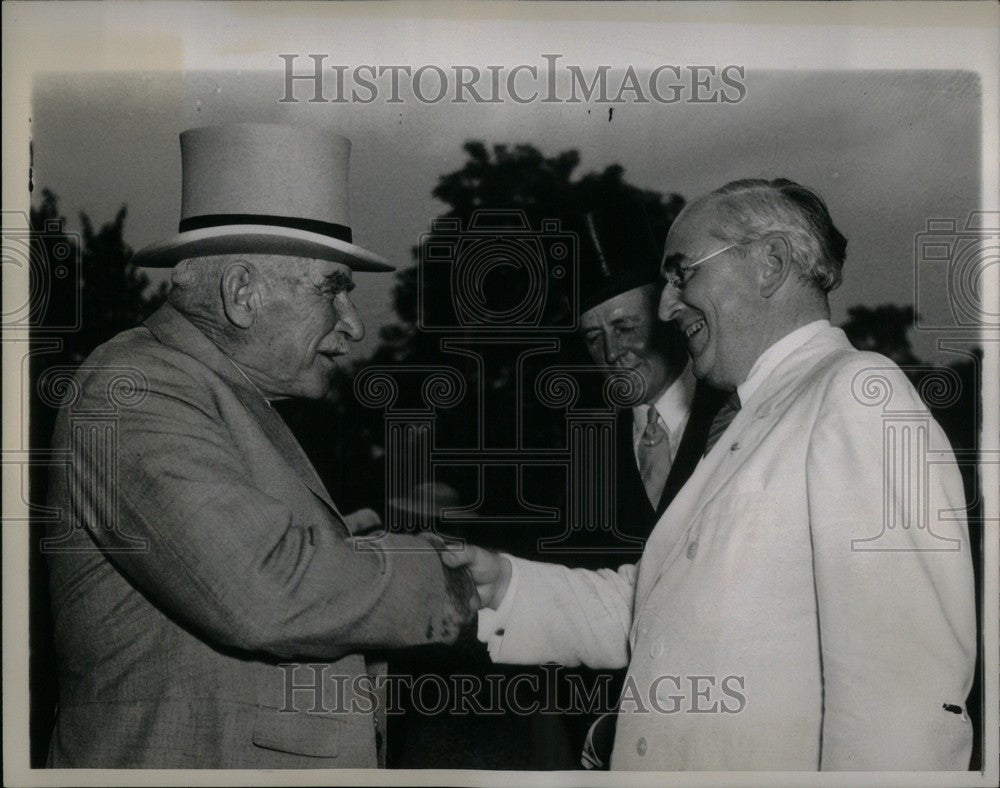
121, 350
867, 379
135, 363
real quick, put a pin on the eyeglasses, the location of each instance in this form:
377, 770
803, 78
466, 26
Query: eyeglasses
678, 278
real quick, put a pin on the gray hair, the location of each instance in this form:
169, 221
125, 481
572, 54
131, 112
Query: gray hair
750, 209
195, 282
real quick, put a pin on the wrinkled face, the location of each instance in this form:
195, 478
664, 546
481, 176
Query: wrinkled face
625, 332
305, 323
718, 307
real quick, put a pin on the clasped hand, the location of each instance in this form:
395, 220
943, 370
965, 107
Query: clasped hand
490, 571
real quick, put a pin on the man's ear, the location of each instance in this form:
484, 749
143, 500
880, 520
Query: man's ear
777, 264
239, 294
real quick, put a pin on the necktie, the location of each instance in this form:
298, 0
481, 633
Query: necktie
723, 419
653, 455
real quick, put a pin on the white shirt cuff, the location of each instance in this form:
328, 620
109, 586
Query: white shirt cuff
491, 623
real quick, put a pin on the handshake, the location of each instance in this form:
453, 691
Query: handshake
490, 572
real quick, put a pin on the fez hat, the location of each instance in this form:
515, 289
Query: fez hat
617, 252
266, 189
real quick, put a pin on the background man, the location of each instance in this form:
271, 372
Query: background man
197, 547
658, 441
661, 439
806, 602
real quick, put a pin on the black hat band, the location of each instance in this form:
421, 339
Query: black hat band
339, 232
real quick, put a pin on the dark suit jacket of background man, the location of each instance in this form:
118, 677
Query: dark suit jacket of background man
636, 515
169, 650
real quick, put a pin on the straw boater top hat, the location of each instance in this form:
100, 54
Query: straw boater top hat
617, 252
267, 189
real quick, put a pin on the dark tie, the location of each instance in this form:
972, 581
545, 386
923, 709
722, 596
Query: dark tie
723, 419
653, 454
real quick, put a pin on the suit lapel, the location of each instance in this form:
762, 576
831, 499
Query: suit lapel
171, 328
712, 473
281, 436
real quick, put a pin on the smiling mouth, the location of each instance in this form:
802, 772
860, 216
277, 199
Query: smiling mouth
694, 328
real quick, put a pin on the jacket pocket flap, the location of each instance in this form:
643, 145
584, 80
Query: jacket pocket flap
298, 733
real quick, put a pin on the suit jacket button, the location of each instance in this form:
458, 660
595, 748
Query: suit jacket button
692, 549
656, 649
640, 746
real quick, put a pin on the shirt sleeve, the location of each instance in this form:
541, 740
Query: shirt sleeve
552, 613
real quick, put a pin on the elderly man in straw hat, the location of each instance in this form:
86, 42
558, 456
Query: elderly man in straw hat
211, 607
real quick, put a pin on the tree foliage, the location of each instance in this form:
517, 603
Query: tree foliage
883, 329
101, 294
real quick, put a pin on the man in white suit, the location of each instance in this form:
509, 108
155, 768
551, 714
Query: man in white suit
806, 602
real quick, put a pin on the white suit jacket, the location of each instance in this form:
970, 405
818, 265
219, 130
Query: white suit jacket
806, 602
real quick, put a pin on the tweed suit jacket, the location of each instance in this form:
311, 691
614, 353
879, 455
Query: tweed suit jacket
806, 601
200, 574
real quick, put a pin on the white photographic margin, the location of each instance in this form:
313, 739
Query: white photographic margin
172, 37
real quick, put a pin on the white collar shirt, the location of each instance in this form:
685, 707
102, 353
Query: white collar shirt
674, 409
